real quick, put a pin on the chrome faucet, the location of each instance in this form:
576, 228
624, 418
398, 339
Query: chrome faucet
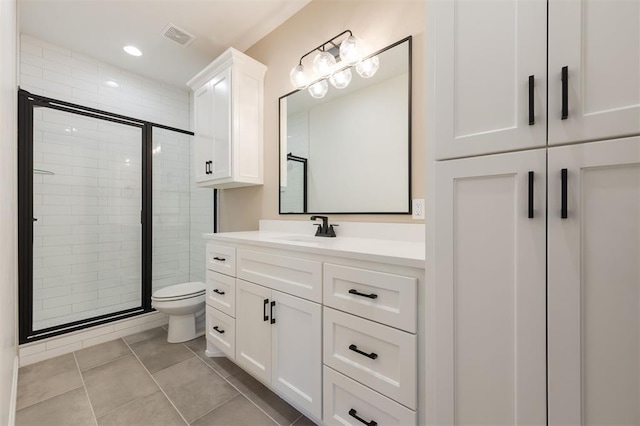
324, 229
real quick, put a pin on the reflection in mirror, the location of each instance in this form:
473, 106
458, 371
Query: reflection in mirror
349, 152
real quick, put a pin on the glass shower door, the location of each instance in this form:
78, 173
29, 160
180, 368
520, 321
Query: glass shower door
87, 204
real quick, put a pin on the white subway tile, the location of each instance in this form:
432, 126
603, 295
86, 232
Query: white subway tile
41, 356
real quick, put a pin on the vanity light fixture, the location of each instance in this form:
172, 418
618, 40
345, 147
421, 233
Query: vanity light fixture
325, 65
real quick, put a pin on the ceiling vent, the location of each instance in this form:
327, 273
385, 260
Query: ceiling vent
178, 35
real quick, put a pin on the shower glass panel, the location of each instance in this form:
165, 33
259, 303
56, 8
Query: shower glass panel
171, 209
87, 202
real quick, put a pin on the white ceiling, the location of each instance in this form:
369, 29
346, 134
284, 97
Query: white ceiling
100, 28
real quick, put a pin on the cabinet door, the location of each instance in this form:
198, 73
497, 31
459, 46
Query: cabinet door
203, 146
253, 329
599, 43
489, 291
297, 350
594, 284
221, 125
484, 53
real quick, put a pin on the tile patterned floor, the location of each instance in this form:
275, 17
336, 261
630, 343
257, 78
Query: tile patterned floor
143, 380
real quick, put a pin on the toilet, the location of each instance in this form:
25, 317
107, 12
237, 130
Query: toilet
181, 302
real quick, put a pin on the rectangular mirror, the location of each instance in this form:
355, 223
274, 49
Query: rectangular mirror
350, 151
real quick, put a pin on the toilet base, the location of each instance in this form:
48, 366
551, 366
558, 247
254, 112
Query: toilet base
182, 328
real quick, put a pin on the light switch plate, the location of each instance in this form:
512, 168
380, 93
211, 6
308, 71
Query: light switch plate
417, 209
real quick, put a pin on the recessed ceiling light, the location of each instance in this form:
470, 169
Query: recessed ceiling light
132, 50
111, 83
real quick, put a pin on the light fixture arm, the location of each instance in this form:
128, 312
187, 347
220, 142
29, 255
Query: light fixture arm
321, 47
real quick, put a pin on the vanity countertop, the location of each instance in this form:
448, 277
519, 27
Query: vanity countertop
406, 253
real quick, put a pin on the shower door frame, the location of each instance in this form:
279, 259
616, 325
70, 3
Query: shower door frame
26, 104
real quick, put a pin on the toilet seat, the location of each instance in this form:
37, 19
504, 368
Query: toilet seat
179, 291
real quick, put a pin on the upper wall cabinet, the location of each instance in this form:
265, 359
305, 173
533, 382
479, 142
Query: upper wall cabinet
228, 122
490, 65
599, 44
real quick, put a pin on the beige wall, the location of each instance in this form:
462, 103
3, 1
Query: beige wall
8, 221
378, 23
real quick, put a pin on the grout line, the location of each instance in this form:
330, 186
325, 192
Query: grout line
157, 384
220, 405
84, 386
239, 391
296, 420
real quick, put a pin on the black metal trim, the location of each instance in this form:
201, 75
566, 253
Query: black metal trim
25, 217
147, 215
273, 320
106, 115
408, 39
265, 317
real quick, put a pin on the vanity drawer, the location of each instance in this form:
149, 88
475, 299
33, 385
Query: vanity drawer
221, 331
298, 277
221, 259
378, 356
341, 395
221, 292
382, 297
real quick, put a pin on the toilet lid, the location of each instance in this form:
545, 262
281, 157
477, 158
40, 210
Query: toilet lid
180, 290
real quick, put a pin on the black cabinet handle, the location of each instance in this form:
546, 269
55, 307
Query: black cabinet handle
218, 330
265, 317
530, 195
357, 293
532, 116
353, 413
563, 212
372, 355
221, 259
565, 93
215, 290
273, 320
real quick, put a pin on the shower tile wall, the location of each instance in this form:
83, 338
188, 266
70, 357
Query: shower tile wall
182, 212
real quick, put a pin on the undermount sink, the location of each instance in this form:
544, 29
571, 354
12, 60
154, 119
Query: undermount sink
303, 239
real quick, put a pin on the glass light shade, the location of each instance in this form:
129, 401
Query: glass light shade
350, 52
298, 77
319, 89
341, 79
323, 64
368, 67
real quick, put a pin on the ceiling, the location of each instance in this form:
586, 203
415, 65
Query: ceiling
100, 29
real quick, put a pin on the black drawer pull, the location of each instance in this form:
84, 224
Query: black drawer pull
353, 413
565, 93
372, 355
264, 310
357, 293
273, 320
218, 330
563, 212
215, 290
530, 195
532, 116
221, 259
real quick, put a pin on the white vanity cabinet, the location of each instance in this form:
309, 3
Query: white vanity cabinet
490, 59
228, 122
336, 336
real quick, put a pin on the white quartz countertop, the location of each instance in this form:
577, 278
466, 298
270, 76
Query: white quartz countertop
405, 253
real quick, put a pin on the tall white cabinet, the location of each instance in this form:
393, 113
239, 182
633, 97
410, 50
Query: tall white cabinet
228, 122
535, 254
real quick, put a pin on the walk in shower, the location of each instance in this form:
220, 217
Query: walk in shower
108, 214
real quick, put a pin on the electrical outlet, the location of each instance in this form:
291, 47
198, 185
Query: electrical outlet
417, 210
